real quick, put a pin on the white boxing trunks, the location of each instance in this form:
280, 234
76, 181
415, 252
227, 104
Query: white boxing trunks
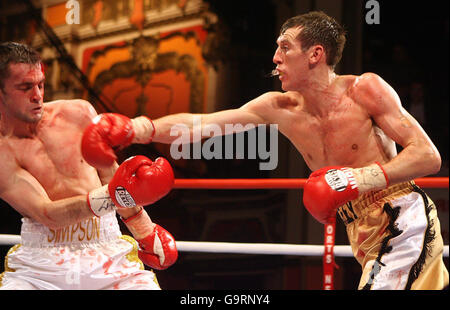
90, 255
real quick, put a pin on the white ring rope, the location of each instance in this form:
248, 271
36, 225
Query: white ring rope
241, 248
261, 248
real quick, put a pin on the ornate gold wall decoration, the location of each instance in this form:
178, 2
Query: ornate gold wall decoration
153, 75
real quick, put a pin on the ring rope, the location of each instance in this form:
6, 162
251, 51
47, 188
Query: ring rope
430, 182
263, 248
241, 248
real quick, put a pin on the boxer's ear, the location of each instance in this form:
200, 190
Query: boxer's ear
316, 53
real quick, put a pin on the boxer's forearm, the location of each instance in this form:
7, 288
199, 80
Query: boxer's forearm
126, 213
194, 127
64, 212
413, 162
167, 126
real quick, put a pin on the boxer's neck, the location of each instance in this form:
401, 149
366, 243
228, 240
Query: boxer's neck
320, 93
12, 127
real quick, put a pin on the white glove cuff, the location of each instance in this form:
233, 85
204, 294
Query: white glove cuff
144, 130
370, 178
100, 202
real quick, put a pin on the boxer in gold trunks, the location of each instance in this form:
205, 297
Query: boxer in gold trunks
346, 128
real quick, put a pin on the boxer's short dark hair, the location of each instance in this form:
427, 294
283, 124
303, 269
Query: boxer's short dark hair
13, 53
319, 28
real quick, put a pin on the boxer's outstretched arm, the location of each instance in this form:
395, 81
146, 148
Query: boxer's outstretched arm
419, 156
256, 112
166, 127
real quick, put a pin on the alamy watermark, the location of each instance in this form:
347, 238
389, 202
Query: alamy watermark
73, 12
73, 276
373, 15
231, 141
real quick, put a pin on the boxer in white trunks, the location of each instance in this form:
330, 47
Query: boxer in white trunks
346, 128
70, 234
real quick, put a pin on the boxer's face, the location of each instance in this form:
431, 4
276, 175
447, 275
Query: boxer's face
23, 92
291, 61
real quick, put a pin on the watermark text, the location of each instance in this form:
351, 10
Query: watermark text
73, 13
238, 142
373, 15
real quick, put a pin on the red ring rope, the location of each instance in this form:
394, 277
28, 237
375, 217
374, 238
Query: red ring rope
432, 182
329, 233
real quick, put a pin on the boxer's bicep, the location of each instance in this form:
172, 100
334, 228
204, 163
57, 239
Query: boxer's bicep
419, 156
190, 127
229, 122
264, 109
400, 126
385, 108
27, 196
23, 192
269, 108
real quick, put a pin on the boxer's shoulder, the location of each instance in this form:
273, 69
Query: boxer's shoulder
74, 110
366, 83
372, 93
272, 107
70, 106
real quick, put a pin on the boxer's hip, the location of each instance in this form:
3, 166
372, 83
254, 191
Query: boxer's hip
395, 235
372, 203
91, 254
89, 231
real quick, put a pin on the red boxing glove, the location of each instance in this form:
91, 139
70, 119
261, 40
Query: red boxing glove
158, 250
111, 131
137, 181
328, 189
140, 181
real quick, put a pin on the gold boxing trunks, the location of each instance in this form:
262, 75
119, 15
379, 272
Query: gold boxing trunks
395, 235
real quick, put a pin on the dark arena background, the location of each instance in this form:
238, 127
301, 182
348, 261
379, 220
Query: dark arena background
169, 56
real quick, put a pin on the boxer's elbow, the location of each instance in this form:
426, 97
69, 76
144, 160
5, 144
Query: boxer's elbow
435, 162
429, 159
47, 222
47, 215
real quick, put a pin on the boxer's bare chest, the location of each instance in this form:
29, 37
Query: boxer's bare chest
53, 156
343, 135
